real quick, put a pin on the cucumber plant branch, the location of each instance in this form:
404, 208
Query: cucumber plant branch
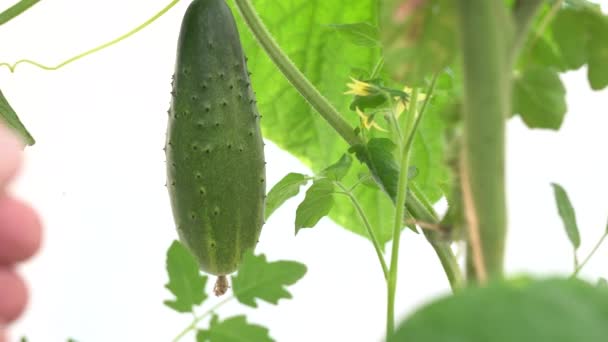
333, 117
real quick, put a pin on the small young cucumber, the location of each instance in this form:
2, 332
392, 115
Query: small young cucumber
214, 148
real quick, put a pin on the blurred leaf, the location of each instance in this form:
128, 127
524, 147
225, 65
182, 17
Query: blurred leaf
285, 189
363, 34
566, 212
233, 329
597, 73
10, 118
317, 204
260, 279
550, 310
185, 280
539, 98
419, 37
571, 37
338, 170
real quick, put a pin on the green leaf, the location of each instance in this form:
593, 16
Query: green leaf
318, 202
419, 37
15, 10
602, 283
551, 310
338, 170
566, 212
9, 117
185, 280
260, 279
363, 34
382, 163
539, 98
233, 329
285, 189
570, 35
597, 72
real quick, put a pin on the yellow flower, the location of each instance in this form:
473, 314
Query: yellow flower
358, 88
403, 105
367, 123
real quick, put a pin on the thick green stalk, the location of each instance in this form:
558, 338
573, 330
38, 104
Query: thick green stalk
332, 116
485, 31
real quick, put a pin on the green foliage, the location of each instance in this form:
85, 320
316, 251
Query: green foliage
576, 37
602, 283
363, 34
419, 38
233, 329
328, 60
317, 203
260, 279
285, 189
554, 310
185, 281
566, 212
10, 118
539, 97
339, 169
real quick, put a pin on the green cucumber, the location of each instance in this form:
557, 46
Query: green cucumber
215, 153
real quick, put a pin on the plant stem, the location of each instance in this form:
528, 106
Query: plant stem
422, 209
580, 266
485, 28
96, 49
368, 227
332, 116
295, 76
18, 8
412, 120
197, 319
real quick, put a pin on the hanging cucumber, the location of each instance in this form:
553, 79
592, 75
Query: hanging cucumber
214, 148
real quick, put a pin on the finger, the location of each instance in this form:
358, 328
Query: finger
20, 231
13, 295
10, 155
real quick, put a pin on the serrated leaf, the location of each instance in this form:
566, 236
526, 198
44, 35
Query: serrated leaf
556, 310
233, 329
539, 97
566, 212
362, 34
185, 280
317, 203
285, 189
339, 169
260, 279
10, 118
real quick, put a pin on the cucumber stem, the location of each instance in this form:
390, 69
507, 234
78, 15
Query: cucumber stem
221, 286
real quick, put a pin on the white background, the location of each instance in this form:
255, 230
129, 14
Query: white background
97, 172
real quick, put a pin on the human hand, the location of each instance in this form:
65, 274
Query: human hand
20, 233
